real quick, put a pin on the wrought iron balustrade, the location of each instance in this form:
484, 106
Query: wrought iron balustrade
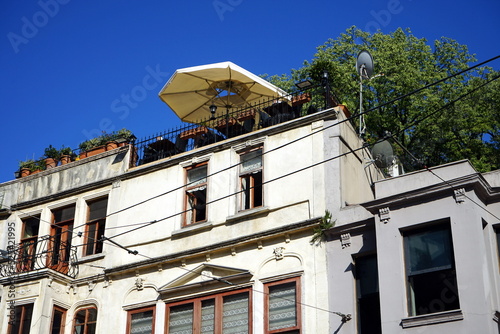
231, 123
45, 252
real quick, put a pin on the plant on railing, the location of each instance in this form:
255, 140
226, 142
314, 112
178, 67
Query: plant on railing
325, 224
51, 156
26, 166
66, 155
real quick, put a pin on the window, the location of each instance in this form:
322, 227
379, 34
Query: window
251, 179
196, 194
58, 320
61, 233
141, 321
223, 313
368, 302
85, 321
27, 249
94, 228
430, 270
21, 322
282, 308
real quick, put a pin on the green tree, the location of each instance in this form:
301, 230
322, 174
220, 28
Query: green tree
468, 129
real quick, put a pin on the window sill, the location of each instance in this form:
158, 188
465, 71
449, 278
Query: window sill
193, 228
90, 258
431, 319
261, 210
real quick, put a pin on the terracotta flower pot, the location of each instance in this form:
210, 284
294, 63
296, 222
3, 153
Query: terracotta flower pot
92, 152
25, 172
192, 133
65, 159
50, 163
301, 99
111, 145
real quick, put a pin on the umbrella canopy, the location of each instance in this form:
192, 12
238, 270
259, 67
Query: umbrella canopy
191, 91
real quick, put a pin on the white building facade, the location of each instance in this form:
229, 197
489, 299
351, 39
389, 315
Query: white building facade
216, 239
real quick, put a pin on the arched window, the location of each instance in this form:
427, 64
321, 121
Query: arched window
85, 321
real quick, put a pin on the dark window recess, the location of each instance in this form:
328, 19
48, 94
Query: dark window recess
95, 226
430, 270
368, 300
251, 179
21, 322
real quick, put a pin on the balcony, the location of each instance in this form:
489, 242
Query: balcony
50, 252
231, 124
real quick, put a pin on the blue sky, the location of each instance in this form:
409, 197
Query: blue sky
72, 68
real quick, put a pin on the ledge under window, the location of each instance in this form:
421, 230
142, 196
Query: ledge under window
193, 228
90, 258
261, 210
433, 318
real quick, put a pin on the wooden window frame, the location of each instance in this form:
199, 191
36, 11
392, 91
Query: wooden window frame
86, 323
189, 195
21, 319
93, 243
61, 231
63, 319
218, 309
248, 196
140, 310
298, 302
27, 247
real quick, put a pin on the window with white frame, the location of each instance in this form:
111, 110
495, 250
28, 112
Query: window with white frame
430, 270
196, 194
251, 179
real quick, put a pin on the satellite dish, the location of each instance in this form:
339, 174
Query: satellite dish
364, 64
383, 154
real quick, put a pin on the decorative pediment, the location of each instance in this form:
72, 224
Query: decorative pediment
205, 274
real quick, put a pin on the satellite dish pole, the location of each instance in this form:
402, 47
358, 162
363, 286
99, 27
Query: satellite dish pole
364, 67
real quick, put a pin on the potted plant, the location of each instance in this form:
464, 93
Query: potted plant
38, 166
123, 136
26, 166
52, 156
66, 154
91, 147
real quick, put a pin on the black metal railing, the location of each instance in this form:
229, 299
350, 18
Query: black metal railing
230, 124
45, 252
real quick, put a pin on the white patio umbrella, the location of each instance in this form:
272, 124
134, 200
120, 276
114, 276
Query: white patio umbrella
191, 91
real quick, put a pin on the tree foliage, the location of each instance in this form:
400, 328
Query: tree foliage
427, 123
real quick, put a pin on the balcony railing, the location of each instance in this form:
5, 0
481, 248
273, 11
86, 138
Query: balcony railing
233, 123
46, 252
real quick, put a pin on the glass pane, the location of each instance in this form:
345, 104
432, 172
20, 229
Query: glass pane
64, 214
429, 250
98, 208
79, 329
31, 226
92, 314
251, 161
80, 317
91, 236
141, 323
282, 310
181, 319
91, 328
235, 314
197, 176
207, 316
367, 275
57, 322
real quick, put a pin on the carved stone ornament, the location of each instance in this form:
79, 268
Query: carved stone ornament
345, 240
385, 215
459, 195
278, 253
139, 283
